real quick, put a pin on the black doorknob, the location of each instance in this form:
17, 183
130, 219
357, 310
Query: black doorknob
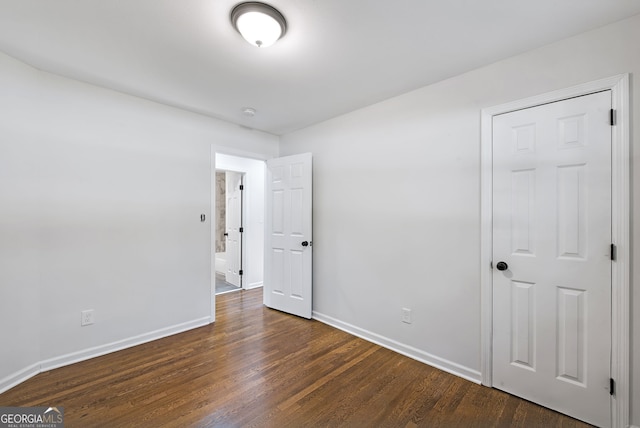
502, 266
305, 243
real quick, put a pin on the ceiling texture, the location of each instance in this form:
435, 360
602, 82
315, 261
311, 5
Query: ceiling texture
337, 55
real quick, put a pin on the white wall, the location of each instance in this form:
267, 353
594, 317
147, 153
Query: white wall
397, 199
100, 202
20, 203
253, 251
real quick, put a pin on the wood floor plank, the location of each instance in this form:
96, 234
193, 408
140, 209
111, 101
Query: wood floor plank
256, 367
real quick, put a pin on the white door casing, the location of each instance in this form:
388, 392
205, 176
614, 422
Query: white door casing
552, 225
233, 223
224, 158
288, 230
620, 208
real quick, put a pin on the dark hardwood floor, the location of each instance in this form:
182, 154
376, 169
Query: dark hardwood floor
257, 367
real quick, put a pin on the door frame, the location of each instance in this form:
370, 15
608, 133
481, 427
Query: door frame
620, 231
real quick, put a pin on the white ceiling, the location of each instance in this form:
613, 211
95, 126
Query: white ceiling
337, 56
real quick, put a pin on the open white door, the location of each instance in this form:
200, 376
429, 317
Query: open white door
234, 223
288, 240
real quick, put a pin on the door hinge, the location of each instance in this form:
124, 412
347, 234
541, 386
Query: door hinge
612, 386
241, 272
242, 187
612, 117
241, 230
614, 252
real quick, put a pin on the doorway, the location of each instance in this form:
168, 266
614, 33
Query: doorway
251, 171
296, 173
524, 329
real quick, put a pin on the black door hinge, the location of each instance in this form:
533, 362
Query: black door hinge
241, 230
241, 272
242, 187
612, 386
612, 117
614, 252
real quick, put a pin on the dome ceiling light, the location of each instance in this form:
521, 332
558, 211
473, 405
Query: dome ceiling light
260, 24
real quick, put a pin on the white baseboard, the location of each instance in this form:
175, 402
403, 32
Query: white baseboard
408, 351
254, 285
86, 354
19, 377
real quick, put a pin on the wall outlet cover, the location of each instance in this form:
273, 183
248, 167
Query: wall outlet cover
406, 315
87, 317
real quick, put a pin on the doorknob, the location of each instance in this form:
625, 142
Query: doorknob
305, 243
502, 266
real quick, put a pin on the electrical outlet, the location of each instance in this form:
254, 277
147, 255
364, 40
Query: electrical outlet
406, 315
86, 317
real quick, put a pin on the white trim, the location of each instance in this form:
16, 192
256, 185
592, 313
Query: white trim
97, 351
230, 151
620, 272
620, 328
406, 350
18, 377
212, 236
254, 285
486, 247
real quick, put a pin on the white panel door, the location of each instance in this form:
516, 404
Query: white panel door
288, 240
233, 222
552, 229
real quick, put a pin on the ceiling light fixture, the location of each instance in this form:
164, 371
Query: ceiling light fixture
260, 24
